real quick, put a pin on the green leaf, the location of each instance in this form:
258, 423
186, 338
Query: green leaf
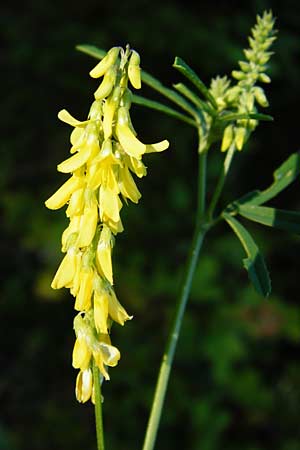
148, 79
184, 90
272, 217
91, 50
254, 263
139, 100
168, 93
236, 116
189, 73
283, 177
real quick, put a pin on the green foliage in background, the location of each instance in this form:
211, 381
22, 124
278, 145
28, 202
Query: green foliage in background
236, 382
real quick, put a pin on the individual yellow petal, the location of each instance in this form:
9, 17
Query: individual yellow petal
107, 84
134, 70
116, 310
158, 147
131, 145
104, 253
83, 299
127, 185
77, 137
99, 363
81, 354
108, 60
84, 385
66, 117
88, 225
75, 161
116, 227
109, 204
76, 279
66, 271
101, 310
62, 195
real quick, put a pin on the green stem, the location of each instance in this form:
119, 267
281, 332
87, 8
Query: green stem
201, 186
167, 360
168, 356
221, 181
98, 407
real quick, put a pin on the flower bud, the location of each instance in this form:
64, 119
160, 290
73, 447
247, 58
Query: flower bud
134, 70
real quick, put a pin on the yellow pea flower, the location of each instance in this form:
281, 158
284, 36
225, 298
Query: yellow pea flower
63, 194
127, 185
101, 310
81, 354
106, 355
103, 254
116, 310
84, 296
88, 225
66, 271
134, 70
84, 385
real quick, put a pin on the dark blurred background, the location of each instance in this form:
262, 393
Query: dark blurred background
236, 380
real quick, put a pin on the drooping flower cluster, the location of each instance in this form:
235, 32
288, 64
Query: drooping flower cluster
105, 153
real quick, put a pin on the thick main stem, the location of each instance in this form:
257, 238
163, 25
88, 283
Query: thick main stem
168, 356
98, 408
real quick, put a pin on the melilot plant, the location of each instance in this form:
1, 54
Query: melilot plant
106, 156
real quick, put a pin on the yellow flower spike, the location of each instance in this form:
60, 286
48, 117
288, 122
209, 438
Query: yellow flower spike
84, 385
76, 203
107, 84
116, 310
227, 138
103, 253
131, 145
127, 185
81, 354
109, 59
66, 117
63, 194
88, 225
101, 310
109, 204
66, 271
109, 110
134, 70
158, 147
84, 296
